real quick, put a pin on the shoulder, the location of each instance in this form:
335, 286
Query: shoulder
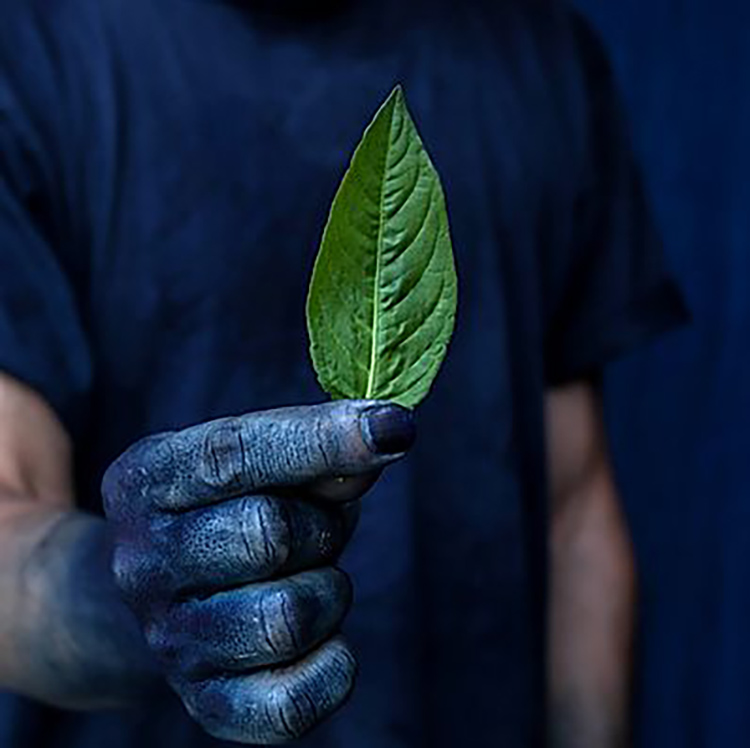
540, 26
546, 42
49, 18
525, 63
39, 37
58, 59
38, 40
52, 13
533, 54
42, 73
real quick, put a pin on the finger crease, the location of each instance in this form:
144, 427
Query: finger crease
321, 437
273, 723
293, 699
264, 628
243, 453
216, 464
285, 722
245, 532
285, 614
267, 544
311, 704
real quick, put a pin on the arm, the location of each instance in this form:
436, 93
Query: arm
592, 587
65, 636
223, 540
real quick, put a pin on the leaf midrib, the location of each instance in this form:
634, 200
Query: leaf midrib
378, 256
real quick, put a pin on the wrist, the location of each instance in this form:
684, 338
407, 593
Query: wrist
83, 647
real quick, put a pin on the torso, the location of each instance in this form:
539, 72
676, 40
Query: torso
205, 164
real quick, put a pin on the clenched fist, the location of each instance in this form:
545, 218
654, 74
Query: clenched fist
226, 537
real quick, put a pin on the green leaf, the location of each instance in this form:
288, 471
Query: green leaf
382, 300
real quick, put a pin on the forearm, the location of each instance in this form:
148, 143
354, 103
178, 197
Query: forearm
65, 636
591, 610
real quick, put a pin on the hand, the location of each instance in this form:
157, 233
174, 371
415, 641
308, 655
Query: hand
225, 539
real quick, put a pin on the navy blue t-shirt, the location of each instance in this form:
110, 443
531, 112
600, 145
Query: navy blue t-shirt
166, 171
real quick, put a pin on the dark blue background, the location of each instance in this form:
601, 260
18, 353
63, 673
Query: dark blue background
680, 412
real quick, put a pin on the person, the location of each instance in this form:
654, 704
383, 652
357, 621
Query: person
166, 173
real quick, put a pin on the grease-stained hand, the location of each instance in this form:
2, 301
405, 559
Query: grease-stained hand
226, 537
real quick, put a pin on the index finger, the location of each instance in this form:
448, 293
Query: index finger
260, 451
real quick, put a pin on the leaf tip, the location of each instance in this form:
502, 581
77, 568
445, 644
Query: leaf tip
397, 97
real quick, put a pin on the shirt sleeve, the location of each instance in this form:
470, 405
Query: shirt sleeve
614, 291
42, 340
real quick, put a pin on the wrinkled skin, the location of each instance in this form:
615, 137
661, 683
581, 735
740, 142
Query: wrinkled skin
226, 537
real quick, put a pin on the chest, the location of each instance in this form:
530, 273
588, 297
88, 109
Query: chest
218, 178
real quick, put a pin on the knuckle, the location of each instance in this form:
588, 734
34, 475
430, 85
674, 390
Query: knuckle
111, 488
224, 458
279, 622
156, 637
235, 713
141, 572
328, 441
128, 483
213, 724
130, 571
171, 636
214, 709
291, 711
343, 665
266, 534
122, 568
342, 586
163, 644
